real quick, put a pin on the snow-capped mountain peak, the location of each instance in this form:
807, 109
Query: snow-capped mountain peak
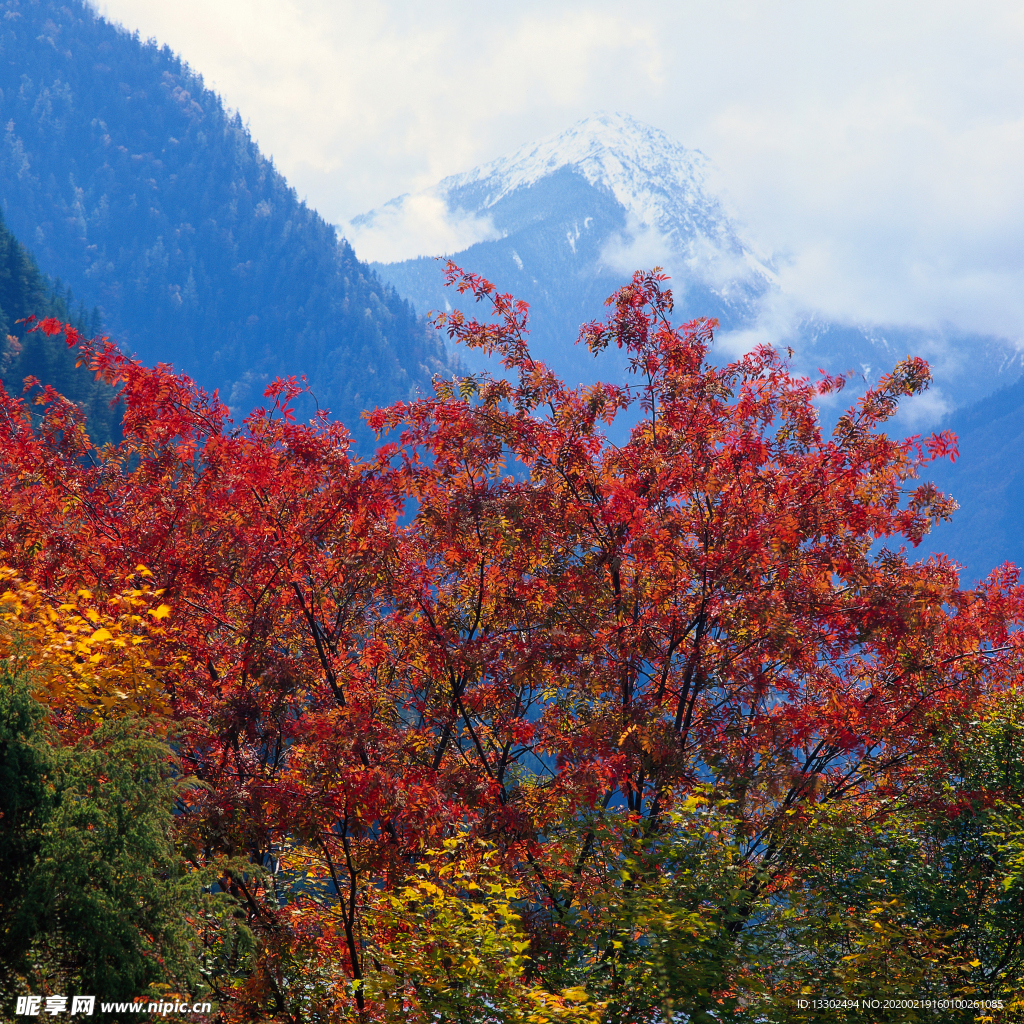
636, 162
584, 208
564, 221
660, 187
659, 183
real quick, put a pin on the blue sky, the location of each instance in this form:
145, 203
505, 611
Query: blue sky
879, 145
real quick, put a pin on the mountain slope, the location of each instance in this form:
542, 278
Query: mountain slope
563, 222
987, 481
131, 182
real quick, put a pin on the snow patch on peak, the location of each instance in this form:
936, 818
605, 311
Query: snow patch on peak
655, 179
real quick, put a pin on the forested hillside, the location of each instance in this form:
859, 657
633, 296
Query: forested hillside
130, 181
25, 292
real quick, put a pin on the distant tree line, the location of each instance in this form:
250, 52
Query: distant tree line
26, 292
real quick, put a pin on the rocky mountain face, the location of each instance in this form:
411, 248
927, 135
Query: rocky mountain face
129, 181
565, 221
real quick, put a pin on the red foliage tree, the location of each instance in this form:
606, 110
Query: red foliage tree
504, 628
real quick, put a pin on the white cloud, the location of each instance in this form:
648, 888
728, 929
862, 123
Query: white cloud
416, 225
924, 411
639, 245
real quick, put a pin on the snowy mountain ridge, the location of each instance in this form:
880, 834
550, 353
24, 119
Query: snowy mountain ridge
658, 182
664, 190
563, 221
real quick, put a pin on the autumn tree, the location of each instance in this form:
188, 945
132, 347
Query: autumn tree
628, 681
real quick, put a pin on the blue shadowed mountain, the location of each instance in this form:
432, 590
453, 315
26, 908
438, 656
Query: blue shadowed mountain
129, 181
987, 481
